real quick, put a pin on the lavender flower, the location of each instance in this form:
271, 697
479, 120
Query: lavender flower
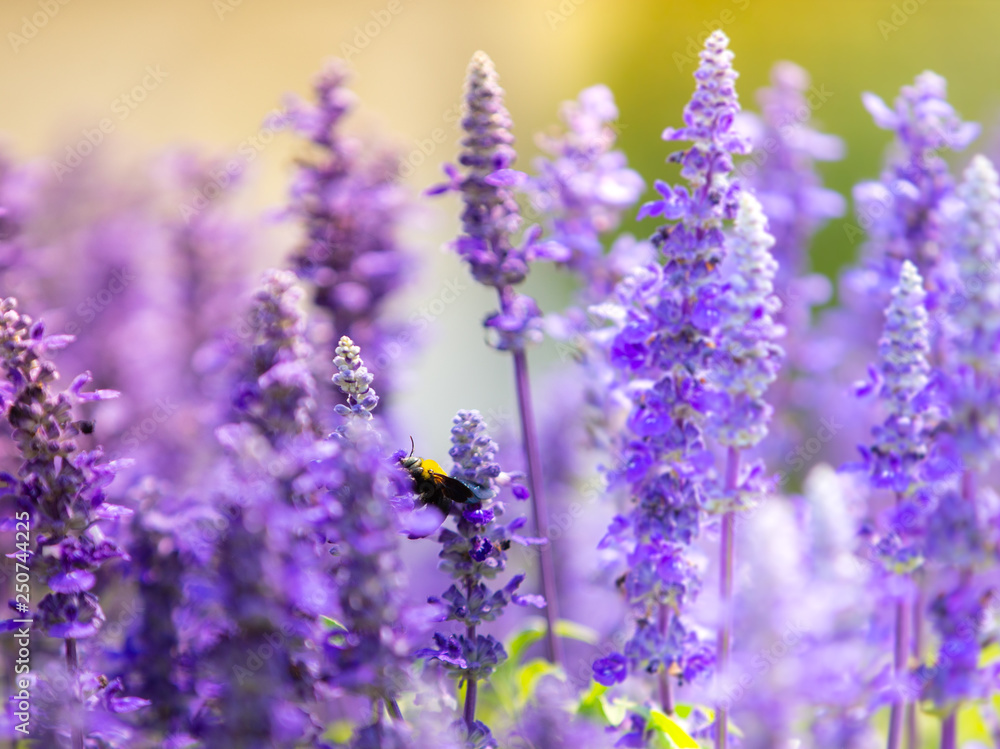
745, 364
902, 212
664, 345
489, 220
278, 392
472, 554
490, 217
369, 657
974, 307
583, 189
60, 494
781, 170
351, 207
354, 380
269, 564
901, 441
968, 437
894, 460
747, 359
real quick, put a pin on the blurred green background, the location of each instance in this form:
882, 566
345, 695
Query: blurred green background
227, 63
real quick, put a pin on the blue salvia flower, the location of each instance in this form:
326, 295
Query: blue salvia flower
895, 461
278, 391
583, 188
901, 213
974, 311
473, 554
351, 205
663, 348
368, 654
744, 363
901, 441
270, 564
490, 215
59, 493
782, 172
490, 219
747, 358
969, 437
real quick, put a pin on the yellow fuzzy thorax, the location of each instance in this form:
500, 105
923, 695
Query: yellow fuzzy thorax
428, 466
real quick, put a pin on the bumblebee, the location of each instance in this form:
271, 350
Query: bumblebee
435, 487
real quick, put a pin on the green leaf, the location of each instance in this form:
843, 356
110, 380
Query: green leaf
521, 641
971, 725
575, 631
615, 710
590, 703
596, 706
672, 730
332, 624
989, 654
340, 731
529, 675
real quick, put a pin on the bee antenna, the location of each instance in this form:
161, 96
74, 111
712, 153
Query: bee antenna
412, 447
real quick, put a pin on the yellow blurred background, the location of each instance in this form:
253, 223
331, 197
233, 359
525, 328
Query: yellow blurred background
222, 65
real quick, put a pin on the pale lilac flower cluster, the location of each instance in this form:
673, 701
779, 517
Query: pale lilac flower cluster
583, 187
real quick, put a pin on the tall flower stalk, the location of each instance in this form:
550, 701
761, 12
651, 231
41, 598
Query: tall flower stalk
781, 171
971, 434
60, 496
350, 204
902, 212
490, 220
895, 462
582, 188
474, 553
746, 362
664, 351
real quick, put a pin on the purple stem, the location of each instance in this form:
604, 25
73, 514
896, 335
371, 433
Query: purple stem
726, 595
666, 693
901, 652
949, 730
540, 510
73, 664
912, 729
470, 699
471, 683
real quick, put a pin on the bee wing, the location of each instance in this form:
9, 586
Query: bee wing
481, 493
455, 489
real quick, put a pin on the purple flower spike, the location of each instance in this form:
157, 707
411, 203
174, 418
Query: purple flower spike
748, 358
351, 206
59, 493
666, 350
584, 186
491, 214
781, 170
901, 441
973, 321
476, 551
708, 119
